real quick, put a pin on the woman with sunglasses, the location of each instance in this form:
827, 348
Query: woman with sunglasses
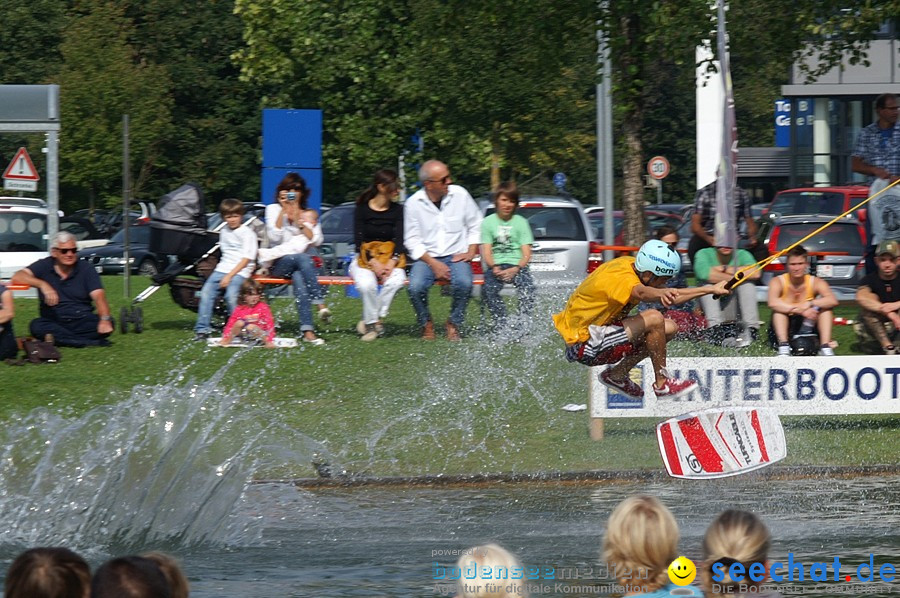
69, 289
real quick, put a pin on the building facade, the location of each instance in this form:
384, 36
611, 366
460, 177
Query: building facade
825, 116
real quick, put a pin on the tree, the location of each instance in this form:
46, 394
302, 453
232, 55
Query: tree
346, 58
101, 80
508, 82
215, 116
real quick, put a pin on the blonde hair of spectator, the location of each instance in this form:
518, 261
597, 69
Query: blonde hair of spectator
53, 572
495, 559
739, 536
640, 542
171, 569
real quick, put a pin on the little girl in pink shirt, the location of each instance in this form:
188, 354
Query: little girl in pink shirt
252, 319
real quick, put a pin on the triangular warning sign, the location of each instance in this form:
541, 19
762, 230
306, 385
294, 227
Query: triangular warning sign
21, 168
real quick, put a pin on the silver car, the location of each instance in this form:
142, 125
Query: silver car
562, 239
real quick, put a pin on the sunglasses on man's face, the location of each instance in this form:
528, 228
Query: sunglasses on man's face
65, 250
443, 180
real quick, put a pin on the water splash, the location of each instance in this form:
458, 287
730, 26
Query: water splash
170, 465
504, 373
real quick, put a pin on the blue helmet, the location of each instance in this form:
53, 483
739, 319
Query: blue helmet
659, 259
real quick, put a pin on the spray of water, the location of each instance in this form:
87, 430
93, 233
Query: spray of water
170, 464
501, 373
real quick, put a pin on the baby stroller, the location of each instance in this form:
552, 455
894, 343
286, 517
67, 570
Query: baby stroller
178, 229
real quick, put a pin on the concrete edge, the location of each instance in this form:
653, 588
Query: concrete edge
573, 477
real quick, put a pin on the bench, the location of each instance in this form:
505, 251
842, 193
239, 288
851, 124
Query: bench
478, 279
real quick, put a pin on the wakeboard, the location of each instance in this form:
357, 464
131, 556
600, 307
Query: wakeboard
281, 342
720, 442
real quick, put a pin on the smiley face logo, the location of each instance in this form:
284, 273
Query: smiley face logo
682, 571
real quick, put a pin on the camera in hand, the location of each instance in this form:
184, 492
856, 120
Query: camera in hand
291, 196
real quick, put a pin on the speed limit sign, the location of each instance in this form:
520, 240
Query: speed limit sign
658, 167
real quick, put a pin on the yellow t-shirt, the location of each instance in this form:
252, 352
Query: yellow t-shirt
602, 298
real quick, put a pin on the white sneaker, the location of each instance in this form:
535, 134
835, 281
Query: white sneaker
325, 314
826, 352
316, 342
784, 350
736, 342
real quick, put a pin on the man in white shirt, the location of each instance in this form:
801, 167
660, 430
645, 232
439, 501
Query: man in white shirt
442, 230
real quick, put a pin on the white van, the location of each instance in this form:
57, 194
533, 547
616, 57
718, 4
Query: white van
23, 235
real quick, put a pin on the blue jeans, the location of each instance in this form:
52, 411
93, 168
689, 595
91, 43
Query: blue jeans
305, 282
208, 295
421, 278
524, 284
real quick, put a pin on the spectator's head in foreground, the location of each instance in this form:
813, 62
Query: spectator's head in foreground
734, 537
130, 577
48, 573
487, 572
641, 541
170, 568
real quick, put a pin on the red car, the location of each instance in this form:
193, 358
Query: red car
819, 200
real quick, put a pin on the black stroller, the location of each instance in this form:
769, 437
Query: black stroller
178, 229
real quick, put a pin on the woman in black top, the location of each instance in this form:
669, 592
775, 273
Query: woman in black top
377, 268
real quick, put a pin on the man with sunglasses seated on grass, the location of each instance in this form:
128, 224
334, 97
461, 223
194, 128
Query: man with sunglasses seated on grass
69, 288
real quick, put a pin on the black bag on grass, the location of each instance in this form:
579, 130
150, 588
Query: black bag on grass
37, 351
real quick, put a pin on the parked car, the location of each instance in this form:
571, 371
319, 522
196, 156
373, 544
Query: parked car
563, 241
654, 219
819, 200
251, 208
846, 237
110, 259
338, 247
86, 235
23, 236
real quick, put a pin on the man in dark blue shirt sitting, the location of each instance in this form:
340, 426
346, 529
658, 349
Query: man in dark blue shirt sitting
69, 288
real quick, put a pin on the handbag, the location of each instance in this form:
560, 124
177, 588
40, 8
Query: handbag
37, 351
380, 251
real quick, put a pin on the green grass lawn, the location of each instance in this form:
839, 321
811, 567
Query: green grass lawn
398, 405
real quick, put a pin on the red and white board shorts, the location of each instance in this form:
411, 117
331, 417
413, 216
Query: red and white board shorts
607, 344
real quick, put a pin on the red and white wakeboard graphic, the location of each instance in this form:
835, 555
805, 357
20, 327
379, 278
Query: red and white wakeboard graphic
720, 442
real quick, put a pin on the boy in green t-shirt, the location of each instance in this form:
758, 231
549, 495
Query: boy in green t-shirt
505, 252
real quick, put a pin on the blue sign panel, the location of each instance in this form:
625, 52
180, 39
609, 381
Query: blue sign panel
292, 138
804, 117
292, 142
559, 180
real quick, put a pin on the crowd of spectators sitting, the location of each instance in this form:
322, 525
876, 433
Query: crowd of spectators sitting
57, 572
439, 230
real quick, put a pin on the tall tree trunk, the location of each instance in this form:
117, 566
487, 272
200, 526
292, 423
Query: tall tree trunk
632, 170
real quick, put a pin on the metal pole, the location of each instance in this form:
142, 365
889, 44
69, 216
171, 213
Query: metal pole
53, 163
605, 140
126, 203
52, 183
659, 191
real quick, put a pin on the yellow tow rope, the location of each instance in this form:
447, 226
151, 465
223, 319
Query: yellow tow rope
741, 275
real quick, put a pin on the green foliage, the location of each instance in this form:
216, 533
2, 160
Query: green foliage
215, 117
343, 57
30, 36
485, 83
102, 79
